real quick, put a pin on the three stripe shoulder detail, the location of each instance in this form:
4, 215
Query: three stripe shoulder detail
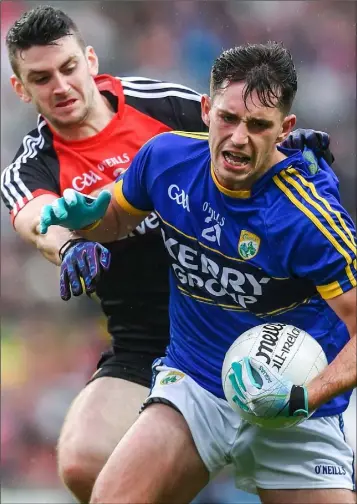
13, 188
330, 222
141, 87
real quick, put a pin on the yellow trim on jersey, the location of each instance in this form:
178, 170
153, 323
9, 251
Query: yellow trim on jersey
193, 238
324, 201
243, 194
198, 136
350, 276
330, 290
313, 218
124, 203
210, 301
318, 207
284, 309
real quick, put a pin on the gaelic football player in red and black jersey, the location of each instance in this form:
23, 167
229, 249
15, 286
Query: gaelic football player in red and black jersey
89, 128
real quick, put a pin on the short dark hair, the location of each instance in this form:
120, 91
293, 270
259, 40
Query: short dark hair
267, 69
43, 25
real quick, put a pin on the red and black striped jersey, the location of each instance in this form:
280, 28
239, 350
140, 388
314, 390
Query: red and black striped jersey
134, 293
46, 163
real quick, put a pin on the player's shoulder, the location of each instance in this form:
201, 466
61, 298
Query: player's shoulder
304, 179
145, 88
34, 146
306, 194
175, 105
178, 145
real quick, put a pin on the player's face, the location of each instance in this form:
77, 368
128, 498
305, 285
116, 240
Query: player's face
243, 138
58, 80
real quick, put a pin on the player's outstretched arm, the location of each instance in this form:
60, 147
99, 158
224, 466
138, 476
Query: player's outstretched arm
341, 374
99, 219
26, 225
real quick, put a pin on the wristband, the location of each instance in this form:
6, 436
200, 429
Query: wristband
67, 245
298, 405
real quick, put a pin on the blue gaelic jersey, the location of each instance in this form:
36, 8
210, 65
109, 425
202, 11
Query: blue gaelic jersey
242, 258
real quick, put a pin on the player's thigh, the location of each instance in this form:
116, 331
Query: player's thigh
311, 496
156, 461
101, 415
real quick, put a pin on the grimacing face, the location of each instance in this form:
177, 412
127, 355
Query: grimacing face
58, 80
243, 139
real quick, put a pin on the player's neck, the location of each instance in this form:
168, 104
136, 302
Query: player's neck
275, 159
99, 116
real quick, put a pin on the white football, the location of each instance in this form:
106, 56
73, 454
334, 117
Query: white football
288, 350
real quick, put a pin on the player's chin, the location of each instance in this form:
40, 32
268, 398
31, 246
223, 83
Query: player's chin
67, 120
236, 174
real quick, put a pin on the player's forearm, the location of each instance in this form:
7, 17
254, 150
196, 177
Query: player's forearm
106, 230
337, 378
26, 224
50, 244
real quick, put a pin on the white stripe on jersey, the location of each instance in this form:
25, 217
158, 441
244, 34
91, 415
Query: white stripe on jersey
155, 85
179, 94
131, 79
10, 177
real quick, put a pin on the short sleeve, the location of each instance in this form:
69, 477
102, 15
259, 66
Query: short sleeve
318, 236
32, 173
131, 189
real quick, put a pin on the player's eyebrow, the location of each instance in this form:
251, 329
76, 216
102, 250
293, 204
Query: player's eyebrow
224, 111
36, 73
266, 122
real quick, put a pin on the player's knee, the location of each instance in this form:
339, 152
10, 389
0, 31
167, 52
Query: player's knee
79, 463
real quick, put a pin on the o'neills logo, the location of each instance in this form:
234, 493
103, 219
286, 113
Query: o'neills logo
114, 161
330, 469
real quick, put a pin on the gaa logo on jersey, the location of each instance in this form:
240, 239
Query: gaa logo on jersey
248, 244
172, 377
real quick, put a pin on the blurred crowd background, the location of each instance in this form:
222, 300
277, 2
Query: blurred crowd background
49, 347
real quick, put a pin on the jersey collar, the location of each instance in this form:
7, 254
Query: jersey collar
228, 192
106, 82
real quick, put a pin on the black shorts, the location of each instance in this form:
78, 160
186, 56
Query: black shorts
136, 369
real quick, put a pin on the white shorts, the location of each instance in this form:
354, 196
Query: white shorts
313, 454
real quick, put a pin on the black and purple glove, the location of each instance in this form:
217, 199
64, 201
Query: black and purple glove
82, 264
317, 141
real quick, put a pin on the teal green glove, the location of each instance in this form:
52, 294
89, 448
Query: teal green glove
74, 210
265, 393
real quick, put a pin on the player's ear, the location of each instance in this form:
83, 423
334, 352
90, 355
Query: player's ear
19, 89
92, 60
286, 127
205, 109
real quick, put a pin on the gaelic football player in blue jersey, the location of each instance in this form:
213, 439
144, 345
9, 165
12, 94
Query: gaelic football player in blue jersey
254, 233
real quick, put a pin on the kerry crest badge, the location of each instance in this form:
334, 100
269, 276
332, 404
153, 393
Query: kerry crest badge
248, 245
